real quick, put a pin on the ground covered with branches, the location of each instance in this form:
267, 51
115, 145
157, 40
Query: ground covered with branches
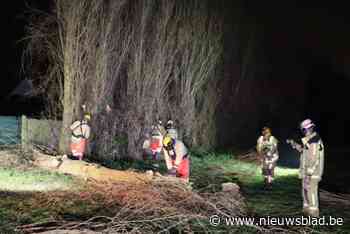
158, 205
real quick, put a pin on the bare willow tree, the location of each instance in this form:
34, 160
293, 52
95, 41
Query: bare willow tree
108, 85
176, 51
150, 70
201, 48
147, 59
85, 50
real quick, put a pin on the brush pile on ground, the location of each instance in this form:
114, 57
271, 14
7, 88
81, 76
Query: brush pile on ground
13, 157
137, 208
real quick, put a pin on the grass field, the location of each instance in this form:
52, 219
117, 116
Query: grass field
21, 193
32, 180
284, 200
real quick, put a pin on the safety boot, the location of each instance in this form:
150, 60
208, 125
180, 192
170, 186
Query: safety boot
306, 210
314, 212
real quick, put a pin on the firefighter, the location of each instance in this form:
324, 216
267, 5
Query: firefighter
156, 143
176, 158
171, 130
267, 149
80, 134
311, 167
159, 126
146, 147
152, 146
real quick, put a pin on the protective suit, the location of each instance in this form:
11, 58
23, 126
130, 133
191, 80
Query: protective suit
156, 144
171, 130
267, 149
176, 158
311, 168
80, 134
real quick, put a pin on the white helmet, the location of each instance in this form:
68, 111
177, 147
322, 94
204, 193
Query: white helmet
169, 124
306, 124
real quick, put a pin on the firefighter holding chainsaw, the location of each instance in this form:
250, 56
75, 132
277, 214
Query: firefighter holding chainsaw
311, 166
176, 158
267, 149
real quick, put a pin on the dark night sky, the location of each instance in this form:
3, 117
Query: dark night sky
303, 42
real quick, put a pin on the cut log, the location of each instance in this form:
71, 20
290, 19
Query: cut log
87, 170
230, 187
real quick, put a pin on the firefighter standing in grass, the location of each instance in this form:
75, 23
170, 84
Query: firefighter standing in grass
176, 158
311, 166
267, 149
80, 134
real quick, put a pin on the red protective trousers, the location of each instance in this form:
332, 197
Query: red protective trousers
183, 171
78, 149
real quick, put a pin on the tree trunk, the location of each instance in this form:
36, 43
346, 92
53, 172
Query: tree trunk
68, 107
87, 170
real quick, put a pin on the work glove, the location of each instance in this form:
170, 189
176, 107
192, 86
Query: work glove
270, 166
309, 172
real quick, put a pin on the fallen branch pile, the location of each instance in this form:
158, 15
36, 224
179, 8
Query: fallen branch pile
14, 158
152, 207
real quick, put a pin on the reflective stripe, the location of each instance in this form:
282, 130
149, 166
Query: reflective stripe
313, 199
81, 135
78, 136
